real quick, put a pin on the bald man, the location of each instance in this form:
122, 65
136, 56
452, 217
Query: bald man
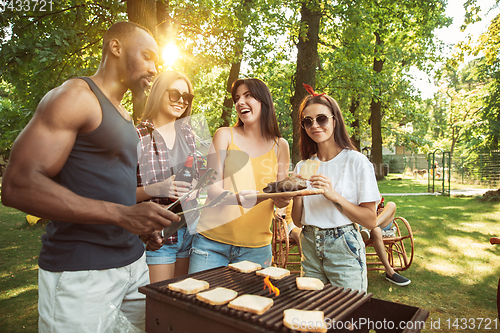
75, 163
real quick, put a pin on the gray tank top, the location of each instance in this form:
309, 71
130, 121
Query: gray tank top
102, 165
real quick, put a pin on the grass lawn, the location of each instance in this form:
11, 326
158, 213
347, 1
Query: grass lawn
397, 183
394, 183
454, 273
455, 269
19, 248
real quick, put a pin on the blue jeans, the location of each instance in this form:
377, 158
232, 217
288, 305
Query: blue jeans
168, 253
207, 254
334, 255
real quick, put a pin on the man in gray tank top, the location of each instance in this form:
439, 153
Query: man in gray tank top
75, 163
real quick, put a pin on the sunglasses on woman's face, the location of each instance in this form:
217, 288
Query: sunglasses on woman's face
322, 121
175, 96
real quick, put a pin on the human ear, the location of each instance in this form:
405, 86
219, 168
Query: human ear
115, 47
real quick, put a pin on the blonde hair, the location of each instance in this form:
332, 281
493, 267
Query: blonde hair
162, 83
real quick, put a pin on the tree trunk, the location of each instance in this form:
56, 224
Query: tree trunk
376, 116
376, 122
355, 138
307, 60
227, 107
163, 21
454, 138
142, 12
234, 72
495, 141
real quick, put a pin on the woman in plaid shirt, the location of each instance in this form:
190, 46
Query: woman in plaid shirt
166, 140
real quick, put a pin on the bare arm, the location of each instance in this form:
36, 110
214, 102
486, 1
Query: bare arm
41, 150
216, 158
283, 166
297, 211
283, 159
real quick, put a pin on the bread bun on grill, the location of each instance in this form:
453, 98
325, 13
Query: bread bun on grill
189, 286
309, 168
274, 273
304, 320
309, 283
244, 266
251, 303
217, 296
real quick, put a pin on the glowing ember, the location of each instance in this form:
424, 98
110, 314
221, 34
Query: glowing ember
269, 285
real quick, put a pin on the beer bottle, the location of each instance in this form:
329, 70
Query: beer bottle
186, 173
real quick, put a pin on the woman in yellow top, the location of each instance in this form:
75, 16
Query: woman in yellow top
247, 156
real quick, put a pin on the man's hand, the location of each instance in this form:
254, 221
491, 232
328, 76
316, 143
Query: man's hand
146, 217
153, 241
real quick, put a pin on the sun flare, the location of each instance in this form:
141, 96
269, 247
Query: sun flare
169, 54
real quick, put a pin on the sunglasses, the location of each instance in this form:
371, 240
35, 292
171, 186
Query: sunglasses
322, 121
175, 96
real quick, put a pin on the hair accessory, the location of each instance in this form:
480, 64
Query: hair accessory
310, 90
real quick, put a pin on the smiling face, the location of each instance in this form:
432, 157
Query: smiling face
247, 107
140, 57
173, 110
318, 133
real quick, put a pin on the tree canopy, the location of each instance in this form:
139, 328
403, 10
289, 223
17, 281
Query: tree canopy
360, 52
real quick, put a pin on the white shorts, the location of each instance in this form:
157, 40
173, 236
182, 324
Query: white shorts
80, 301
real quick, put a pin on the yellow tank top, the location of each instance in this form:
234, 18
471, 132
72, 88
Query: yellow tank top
236, 225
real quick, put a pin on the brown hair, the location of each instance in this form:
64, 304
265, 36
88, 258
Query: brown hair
307, 145
259, 91
162, 83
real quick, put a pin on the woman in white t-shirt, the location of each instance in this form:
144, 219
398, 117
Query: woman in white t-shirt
332, 248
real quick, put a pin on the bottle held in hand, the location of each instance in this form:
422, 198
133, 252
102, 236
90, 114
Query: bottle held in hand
186, 173
381, 206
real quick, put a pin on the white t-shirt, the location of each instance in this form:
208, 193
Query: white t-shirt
352, 176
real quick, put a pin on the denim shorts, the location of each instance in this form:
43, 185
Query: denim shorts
207, 254
168, 254
388, 227
334, 255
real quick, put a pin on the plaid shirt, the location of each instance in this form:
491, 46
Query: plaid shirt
154, 161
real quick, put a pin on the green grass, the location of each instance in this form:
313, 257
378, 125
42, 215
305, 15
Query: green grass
455, 270
454, 274
19, 248
398, 183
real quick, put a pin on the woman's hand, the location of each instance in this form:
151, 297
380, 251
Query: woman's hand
281, 202
245, 198
323, 182
169, 188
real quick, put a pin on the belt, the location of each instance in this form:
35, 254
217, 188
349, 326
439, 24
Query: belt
338, 231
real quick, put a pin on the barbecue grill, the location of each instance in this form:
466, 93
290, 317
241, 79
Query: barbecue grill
170, 311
